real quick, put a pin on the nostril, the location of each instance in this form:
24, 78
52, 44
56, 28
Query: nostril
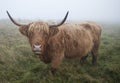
37, 46
40, 46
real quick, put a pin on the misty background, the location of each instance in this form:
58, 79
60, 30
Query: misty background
79, 10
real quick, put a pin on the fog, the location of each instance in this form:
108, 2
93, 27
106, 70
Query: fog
79, 10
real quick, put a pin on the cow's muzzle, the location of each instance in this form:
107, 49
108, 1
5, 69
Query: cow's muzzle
37, 49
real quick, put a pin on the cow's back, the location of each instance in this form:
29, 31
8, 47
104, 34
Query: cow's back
77, 40
94, 29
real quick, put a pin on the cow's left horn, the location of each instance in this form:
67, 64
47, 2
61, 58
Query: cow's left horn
61, 21
13, 20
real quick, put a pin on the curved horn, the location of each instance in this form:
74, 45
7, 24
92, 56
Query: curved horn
61, 21
13, 20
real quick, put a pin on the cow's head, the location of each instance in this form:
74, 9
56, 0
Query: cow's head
38, 33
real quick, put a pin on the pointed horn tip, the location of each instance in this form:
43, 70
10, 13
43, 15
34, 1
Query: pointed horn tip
7, 11
67, 12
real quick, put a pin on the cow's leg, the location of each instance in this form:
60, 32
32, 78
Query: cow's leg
95, 54
83, 59
94, 57
56, 62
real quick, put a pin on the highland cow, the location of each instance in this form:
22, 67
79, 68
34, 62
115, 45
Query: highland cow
53, 43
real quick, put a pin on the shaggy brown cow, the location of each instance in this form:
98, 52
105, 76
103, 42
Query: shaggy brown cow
53, 43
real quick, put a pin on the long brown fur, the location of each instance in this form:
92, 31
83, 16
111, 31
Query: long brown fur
66, 41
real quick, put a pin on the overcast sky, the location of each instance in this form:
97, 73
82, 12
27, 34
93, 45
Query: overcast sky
79, 10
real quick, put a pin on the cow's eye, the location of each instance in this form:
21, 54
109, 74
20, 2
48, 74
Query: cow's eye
30, 34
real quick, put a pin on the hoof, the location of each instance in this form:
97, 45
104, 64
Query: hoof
53, 71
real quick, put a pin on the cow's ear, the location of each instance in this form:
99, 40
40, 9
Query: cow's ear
24, 30
53, 31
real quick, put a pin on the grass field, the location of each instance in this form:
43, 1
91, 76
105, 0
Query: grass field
19, 65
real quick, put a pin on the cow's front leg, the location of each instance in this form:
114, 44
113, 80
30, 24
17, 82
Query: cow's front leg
57, 59
83, 59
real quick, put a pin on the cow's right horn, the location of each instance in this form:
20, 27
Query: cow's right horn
61, 21
13, 20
